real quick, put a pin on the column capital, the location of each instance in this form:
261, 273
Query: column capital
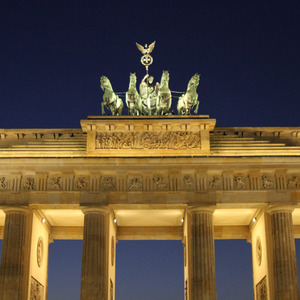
96, 209
17, 209
196, 209
272, 209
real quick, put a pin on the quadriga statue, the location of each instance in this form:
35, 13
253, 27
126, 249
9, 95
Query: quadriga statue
110, 100
133, 99
164, 98
190, 99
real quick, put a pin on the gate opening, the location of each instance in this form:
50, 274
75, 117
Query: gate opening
150, 270
64, 270
234, 269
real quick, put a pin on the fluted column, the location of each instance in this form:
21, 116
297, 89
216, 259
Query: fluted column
94, 281
286, 284
202, 276
15, 253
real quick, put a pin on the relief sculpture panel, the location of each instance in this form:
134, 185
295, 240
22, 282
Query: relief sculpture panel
4, 183
28, 183
160, 183
186, 182
293, 182
55, 183
241, 182
135, 183
261, 290
36, 290
177, 140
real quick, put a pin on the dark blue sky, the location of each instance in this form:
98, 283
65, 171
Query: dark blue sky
53, 53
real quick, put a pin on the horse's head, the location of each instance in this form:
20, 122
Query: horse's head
165, 77
105, 83
132, 79
194, 82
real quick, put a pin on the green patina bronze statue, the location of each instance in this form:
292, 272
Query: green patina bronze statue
152, 98
190, 99
164, 98
110, 100
133, 98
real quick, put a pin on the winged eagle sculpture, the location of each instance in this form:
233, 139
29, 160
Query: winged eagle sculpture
146, 50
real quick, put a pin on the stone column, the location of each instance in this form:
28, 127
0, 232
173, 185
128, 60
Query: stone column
94, 277
15, 254
202, 277
286, 284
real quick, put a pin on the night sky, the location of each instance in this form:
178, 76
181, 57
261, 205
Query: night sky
52, 54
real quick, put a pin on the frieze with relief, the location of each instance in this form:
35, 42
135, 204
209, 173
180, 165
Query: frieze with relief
4, 183
188, 182
55, 183
293, 182
157, 182
108, 183
135, 183
267, 182
28, 183
215, 182
82, 183
241, 182
160, 183
176, 140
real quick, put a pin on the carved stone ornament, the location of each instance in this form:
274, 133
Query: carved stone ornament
294, 182
40, 251
4, 183
160, 183
28, 183
267, 182
258, 251
82, 183
55, 183
36, 290
261, 290
177, 140
188, 182
215, 183
108, 183
240, 182
135, 183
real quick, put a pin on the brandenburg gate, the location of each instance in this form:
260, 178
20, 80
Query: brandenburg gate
149, 175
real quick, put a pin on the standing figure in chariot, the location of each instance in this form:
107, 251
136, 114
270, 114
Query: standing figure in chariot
149, 94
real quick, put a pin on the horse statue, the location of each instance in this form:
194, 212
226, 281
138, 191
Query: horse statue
133, 99
164, 99
110, 100
188, 100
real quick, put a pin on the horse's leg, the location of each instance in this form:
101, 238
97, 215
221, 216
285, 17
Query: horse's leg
102, 108
196, 109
